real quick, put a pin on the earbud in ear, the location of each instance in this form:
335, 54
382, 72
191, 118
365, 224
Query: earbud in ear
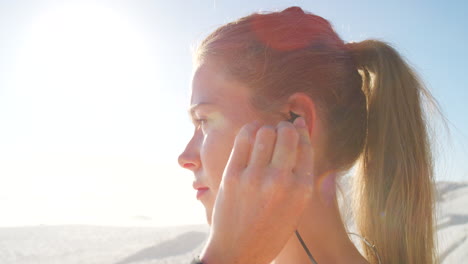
293, 116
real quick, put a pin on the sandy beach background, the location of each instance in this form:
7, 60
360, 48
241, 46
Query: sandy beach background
178, 245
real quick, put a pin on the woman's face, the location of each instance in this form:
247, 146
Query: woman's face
219, 108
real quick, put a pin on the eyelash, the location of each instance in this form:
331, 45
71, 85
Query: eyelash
200, 121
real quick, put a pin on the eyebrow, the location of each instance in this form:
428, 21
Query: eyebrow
193, 107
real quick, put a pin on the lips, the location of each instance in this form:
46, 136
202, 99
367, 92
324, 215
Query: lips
201, 189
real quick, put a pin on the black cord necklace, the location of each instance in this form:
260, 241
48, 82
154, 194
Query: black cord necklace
305, 248
372, 246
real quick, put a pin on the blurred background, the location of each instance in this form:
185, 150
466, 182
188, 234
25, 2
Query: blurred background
94, 98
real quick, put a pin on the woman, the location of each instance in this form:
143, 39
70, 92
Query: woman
261, 178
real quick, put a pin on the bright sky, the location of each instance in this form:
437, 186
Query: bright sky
93, 98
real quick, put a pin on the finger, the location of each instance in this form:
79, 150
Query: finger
263, 147
240, 153
305, 155
284, 154
302, 128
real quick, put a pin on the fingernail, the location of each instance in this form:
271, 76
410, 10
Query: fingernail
300, 122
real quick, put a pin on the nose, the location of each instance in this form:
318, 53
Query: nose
188, 161
190, 158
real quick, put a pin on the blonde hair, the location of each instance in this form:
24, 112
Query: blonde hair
394, 185
370, 102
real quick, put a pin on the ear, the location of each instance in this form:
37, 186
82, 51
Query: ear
302, 105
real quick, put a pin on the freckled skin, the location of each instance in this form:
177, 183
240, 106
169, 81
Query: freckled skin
208, 151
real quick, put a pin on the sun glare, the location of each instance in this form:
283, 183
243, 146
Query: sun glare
77, 48
86, 81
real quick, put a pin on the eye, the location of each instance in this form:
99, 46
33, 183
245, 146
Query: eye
200, 121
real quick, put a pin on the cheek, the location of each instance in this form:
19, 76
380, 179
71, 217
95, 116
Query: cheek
215, 152
218, 121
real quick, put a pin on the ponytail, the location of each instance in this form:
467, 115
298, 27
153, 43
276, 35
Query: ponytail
394, 190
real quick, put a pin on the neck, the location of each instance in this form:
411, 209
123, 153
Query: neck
323, 232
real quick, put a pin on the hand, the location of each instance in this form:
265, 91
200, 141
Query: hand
265, 187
